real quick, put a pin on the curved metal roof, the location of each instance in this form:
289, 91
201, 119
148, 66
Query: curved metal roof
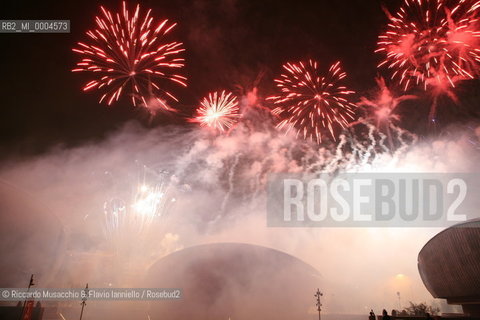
449, 264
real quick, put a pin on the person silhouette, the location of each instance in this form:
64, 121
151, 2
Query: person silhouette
385, 315
372, 315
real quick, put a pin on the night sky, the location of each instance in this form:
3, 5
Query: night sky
228, 44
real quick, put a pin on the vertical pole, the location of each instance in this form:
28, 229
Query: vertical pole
30, 284
84, 301
318, 294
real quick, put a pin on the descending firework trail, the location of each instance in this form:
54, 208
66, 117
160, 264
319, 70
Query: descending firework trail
241, 173
382, 109
358, 152
128, 52
434, 44
219, 111
311, 103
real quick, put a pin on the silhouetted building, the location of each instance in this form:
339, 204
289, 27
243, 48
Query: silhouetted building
15, 312
449, 265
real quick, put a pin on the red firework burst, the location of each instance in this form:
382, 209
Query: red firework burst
128, 52
219, 111
433, 43
311, 103
382, 109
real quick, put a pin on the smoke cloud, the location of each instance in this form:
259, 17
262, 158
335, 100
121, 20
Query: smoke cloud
53, 210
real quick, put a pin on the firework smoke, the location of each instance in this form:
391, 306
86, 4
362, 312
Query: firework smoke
229, 170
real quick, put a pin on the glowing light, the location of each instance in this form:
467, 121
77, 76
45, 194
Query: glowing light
128, 52
147, 201
310, 103
218, 111
134, 213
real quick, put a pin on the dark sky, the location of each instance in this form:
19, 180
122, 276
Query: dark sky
228, 43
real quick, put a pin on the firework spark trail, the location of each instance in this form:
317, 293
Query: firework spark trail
434, 44
332, 165
370, 149
362, 153
404, 145
219, 111
257, 182
265, 168
311, 103
384, 137
115, 214
231, 184
354, 154
268, 153
138, 231
132, 218
129, 52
